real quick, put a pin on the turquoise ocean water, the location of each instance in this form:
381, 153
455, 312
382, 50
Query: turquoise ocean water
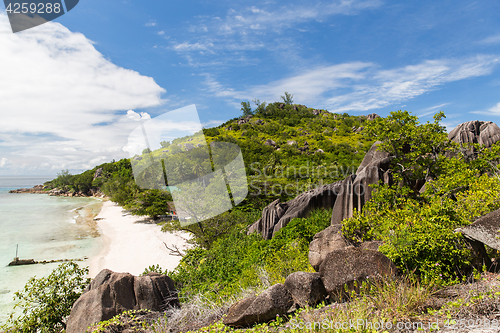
45, 228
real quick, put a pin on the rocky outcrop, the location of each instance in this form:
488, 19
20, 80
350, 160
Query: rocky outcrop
277, 215
486, 230
97, 174
344, 196
355, 190
276, 300
244, 120
270, 217
270, 142
349, 267
324, 242
307, 289
483, 132
372, 116
110, 294
40, 189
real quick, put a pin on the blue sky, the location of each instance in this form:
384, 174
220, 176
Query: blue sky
72, 90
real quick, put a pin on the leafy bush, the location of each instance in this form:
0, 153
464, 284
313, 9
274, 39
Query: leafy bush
417, 225
237, 261
46, 302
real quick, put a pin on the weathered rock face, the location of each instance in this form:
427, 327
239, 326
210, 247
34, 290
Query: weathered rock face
277, 215
483, 132
372, 116
355, 190
276, 300
372, 245
112, 293
344, 196
344, 267
307, 289
270, 217
324, 242
486, 229
97, 174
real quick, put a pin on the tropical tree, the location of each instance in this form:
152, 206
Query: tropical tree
288, 98
246, 109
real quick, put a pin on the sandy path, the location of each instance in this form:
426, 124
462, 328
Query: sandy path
131, 246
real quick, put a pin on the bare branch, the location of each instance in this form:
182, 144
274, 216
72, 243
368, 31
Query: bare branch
175, 251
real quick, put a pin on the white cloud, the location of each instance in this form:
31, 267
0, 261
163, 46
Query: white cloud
151, 23
431, 110
192, 47
493, 111
132, 115
277, 19
360, 86
57, 92
243, 29
495, 39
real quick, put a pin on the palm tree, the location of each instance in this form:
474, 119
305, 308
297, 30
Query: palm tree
181, 169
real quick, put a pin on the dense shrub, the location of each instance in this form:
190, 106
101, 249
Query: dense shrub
418, 225
237, 261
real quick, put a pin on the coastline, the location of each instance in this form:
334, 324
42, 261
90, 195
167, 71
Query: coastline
132, 243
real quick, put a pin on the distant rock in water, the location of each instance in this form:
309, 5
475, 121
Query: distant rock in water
483, 132
110, 294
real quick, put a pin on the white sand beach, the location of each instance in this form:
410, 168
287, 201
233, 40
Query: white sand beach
131, 244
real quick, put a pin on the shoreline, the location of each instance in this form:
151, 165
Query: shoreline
132, 243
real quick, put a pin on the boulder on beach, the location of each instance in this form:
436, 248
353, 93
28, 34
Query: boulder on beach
110, 294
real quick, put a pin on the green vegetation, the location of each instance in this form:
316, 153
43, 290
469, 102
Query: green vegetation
417, 226
290, 146
46, 302
236, 261
269, 169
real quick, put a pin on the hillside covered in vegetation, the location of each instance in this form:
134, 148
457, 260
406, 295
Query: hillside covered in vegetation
433, 186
